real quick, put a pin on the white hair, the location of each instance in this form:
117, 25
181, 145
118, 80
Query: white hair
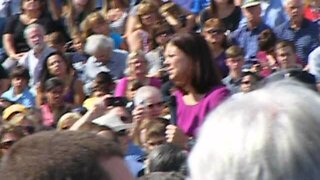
144, 93
285, 2
268, 134
98, 42
33, 26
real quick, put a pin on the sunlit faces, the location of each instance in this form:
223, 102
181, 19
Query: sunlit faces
56, 65
148, 19
213, 35
102, 55
247, 83
154, 141
30, 5
286, 57
138, 66
35, 38
77, 44
294, 9
252, 13
19, 83
235, 63
55, 95
178, 64
153, 105
100, 28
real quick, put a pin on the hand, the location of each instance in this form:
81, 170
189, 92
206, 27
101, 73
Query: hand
175, 135
17, 56
138, 114
99, 108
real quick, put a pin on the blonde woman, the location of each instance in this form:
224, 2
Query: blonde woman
137, 70
95, 23
146, 18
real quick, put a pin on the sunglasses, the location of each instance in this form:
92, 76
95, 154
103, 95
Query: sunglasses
7, 144
158, 104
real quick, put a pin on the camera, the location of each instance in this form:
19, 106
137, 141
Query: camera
116, 101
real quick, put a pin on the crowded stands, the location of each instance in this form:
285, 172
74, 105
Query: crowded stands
159, 89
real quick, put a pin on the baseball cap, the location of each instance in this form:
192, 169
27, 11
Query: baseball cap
112, 121
249, 3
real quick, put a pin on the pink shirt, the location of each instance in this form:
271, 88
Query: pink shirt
47, 115
190, 117
121, 86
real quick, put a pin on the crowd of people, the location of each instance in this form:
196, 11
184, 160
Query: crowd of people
159, 89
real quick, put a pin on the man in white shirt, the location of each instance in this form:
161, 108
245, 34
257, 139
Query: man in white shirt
34, 58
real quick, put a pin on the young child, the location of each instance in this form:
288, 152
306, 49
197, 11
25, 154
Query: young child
19, 91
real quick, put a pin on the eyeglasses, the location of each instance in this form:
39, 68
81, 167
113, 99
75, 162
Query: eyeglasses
7, 144
158, 104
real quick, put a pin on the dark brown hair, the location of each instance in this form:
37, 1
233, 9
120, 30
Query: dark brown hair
285, 43
266, 40
204, 74
20, 71
57, 155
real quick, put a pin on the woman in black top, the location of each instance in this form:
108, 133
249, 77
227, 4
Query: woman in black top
225, 10
32, 11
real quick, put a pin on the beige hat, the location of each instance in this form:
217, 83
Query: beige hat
13, 109
112, 121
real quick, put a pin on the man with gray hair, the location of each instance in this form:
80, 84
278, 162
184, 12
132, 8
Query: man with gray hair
103, 59
298, 29
34, 58
269, 134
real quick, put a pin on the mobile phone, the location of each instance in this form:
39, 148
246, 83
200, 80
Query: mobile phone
116, 101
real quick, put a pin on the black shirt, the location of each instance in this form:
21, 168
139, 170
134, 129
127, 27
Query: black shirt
231, 22
16, 27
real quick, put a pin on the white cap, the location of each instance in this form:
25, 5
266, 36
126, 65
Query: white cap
112, 121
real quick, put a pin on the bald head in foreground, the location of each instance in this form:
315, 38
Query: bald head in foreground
269, 134
64, 155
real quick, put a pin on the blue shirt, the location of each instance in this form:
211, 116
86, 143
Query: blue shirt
305, 38
274, 14
116, 66
26, 98
248, 39
194, 6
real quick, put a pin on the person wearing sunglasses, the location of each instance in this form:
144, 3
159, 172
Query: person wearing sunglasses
148, 104
214, 32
